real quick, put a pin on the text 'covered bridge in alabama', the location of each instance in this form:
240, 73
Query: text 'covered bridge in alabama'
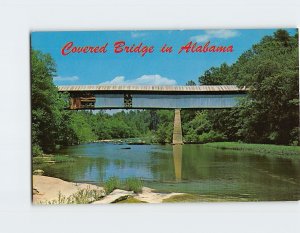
83, 97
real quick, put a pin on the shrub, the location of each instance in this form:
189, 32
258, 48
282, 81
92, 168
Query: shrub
111, 184
52, 159
36, 151
62, 159
133, 184
130, 184
211, 136
83, 196
38, 160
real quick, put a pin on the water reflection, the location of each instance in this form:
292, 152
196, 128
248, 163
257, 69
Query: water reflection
177, 158
184, 168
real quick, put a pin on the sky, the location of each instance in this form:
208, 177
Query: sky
132, 68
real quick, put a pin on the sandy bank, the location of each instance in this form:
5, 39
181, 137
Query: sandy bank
48, 188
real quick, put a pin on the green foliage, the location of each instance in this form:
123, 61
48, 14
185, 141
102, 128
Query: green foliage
130, 184
270, 113
62, 159
121, 124
52, 159
263, 149
111, 184
217, 76
36, 150
45, 102
79, 124
82, 196
211, 136
190, 83
39, 160
200, 130
164, 132
52, 125
133, 184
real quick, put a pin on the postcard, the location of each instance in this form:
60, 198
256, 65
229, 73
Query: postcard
165, 116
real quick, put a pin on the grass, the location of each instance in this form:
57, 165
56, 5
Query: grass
261, 149
202, 198
130, 184
83, 196
52, 159
111, 184
133, 184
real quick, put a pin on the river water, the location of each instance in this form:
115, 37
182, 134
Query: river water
195, 169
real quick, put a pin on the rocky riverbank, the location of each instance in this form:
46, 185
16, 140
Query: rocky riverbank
50, 190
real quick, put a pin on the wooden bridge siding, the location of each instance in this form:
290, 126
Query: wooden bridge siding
175, 101
109, 100
168, 101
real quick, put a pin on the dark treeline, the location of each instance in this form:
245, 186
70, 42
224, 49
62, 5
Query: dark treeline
269, 114
52, 125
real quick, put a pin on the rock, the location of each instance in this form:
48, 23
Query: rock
115, 196
148, 195
50, 187
38, 172
35, 191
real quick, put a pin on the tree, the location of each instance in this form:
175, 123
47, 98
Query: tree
164, 131
46, 103
190, 83
52, 125
217, 75
270, 113
200, 129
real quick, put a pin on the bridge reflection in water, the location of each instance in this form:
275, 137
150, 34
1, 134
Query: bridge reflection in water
177, 159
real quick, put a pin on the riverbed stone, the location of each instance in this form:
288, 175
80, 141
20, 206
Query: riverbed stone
35, 191
115, 196
38, 172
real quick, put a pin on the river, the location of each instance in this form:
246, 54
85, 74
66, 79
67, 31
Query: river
194, 169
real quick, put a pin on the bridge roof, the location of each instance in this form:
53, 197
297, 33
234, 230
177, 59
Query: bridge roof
151, 88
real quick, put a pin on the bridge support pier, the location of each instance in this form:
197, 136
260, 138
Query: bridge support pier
177, 131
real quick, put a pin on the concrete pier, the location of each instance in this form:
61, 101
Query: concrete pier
177, 132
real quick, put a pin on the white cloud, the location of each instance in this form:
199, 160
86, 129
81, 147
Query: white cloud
155, 79
210, 34
65, 79
137, 34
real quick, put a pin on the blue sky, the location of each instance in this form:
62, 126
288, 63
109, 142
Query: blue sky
152, 69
